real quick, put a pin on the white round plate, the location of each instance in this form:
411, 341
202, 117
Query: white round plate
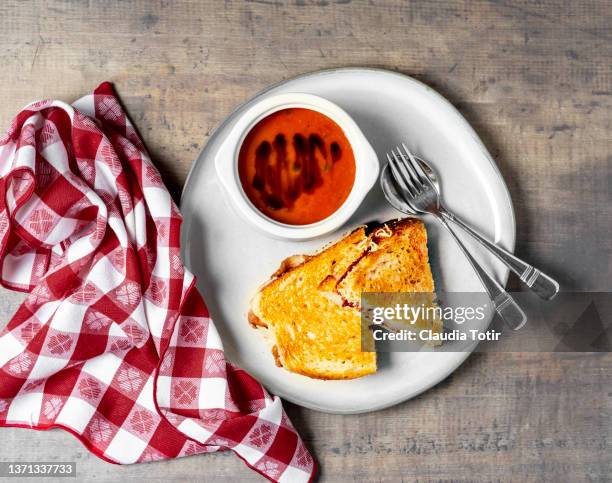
231, 259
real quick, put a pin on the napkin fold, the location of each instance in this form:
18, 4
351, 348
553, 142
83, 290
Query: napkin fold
113, 342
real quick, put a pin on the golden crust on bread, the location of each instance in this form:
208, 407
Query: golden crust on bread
310, 305
390, 266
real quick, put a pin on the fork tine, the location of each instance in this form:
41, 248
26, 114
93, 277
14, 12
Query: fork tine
407, 172
397, 175
417, 166
407, 165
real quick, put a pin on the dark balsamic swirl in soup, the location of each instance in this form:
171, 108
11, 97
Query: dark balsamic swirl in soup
279, 193
296, 166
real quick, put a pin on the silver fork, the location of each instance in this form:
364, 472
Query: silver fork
543, 285
420, 193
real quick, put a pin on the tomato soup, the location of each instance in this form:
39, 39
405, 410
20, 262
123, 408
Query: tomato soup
296, 166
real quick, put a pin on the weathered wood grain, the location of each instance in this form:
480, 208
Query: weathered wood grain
534, 79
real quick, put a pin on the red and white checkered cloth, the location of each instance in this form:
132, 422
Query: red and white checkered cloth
113, 342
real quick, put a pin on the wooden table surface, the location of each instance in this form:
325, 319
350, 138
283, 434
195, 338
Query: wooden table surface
533, 78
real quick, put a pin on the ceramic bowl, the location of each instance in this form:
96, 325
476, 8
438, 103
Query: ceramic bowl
226, 165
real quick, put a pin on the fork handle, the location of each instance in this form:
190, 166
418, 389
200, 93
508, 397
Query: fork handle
504, 304
543, 285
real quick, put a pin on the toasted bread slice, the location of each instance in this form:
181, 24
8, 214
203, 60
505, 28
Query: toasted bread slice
397, 261
313, 335
311, 304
